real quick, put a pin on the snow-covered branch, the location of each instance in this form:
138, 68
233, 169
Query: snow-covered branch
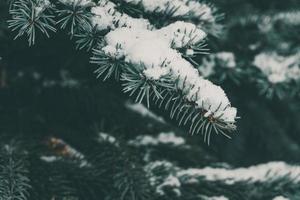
154, 60
278, 68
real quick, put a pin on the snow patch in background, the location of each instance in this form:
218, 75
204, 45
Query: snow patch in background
144, 111
280, 198
168, 138
257, 173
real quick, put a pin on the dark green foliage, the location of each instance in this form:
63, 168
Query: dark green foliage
76, 16
87, 37
186, 113
136, 83
73, 17
30, 106
212, 25
125, 174
30, 16
266, 32
107, 66
14, 181
198, 49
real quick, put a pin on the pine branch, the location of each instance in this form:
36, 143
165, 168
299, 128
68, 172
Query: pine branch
202, 14
142, 76
274, 68
136, 83
14, 181
29, 16
108, 66
114, 166
74, 15
87, 37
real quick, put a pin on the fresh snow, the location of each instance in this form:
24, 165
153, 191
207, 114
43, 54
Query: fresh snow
170, 182
77, 2
192, 8
107, 17
280, 198
216, 198
163, 138
104, 137
155, 50
41, 6
169, 174
144, 111
258, 173
278, 68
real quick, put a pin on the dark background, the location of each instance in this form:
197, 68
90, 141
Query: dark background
268, 129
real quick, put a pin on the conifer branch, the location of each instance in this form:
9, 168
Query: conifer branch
74, 14
151, 61
14, 181
29, 16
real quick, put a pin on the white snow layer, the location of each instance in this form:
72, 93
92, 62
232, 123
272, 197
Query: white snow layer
137, 42
163, 138
266, 172
170, 182
154, 50
177, 8
144, 111
104, 137
280, 198
278, 68
258, 173
77, 2
107, 17
216, 198
41, 5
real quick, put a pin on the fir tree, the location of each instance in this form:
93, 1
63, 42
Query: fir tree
149, 131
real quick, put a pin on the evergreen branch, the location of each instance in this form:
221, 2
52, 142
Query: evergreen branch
10, 3
112, 170
63, 173
121, 167
186, 113
203, 14
87, 37
48, 179
277, 74
143, 76
108, 66
74, 15
136, 83
14, 181
166, 16
270, 91
29, 16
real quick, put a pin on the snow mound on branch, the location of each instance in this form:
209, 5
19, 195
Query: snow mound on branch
77, 2
258, 173
278, 68
177, 8
216, 198
107, 17
163, 138
268, 173
144, 111
154, 50
41, 5
280, 198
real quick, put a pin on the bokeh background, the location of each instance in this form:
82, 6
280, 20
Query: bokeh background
50, 98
